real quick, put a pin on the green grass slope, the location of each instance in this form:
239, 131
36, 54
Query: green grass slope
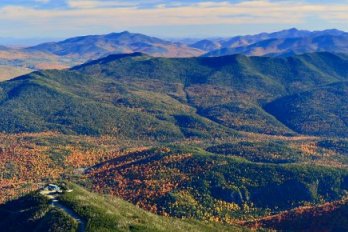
113, 214
34, 213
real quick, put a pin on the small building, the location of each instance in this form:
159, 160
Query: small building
52, 188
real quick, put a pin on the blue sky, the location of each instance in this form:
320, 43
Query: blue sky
189, 18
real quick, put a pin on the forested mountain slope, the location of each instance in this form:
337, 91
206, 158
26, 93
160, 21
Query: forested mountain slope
137, 95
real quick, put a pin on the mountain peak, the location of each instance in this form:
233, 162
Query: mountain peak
293, 29
111, 58
125, 32
94, 47
119, 34
120, 56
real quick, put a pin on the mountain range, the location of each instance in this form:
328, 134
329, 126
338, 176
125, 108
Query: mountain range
286, 42
78, 50
74, 51
242, 41
282, 43
288, 46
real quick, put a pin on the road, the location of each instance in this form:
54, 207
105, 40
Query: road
71, 213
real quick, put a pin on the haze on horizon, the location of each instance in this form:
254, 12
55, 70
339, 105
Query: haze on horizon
180, 19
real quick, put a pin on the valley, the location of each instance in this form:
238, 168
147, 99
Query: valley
168, 139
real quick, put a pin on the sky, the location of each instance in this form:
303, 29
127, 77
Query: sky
166, 19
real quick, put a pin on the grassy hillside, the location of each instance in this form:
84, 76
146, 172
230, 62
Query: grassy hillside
113, 214
34, 213
136, 96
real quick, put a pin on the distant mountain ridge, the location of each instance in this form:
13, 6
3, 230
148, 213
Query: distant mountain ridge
282, 43
97, 46
237, 41
78, 50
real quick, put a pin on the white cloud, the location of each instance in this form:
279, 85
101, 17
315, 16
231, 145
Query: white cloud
84, 4
117, 14
43, 1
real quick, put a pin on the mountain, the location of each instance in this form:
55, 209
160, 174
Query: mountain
206, 45
282, 43
96, 46
77, 50
74, 101
215, 78
295, 33
138, 96
289, 46
246, 40
240, 41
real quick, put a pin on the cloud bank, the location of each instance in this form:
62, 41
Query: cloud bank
85, 16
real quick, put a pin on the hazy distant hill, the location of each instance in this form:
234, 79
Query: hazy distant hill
283, 43
245, 40
207, 45
97, 46
77, 50
289, 46
9, 72
21, 58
